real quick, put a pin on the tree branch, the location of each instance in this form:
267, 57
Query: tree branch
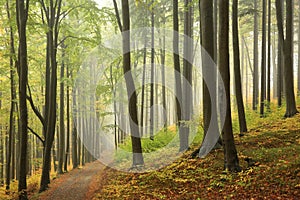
34, 108
45, 10
37, 135
118, 15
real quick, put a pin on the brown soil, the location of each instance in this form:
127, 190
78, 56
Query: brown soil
78, 184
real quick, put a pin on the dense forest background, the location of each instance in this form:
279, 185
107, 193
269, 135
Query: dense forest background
72, 93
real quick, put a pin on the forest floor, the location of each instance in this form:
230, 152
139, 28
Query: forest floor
75, 185
269, 156
271, 147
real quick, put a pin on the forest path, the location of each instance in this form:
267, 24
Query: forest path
75, 185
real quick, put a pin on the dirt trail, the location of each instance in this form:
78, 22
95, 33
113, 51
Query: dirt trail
75, 185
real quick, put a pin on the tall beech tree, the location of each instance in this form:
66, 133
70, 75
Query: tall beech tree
230, 153
22, 16
52, 13
152, 110
208, 36
268, 90
137, 154
286, 41
13, 104
177, 71
255, 58
263, 60
187, 74
237, 69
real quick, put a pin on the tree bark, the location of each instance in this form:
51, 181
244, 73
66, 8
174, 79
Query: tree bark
187, 74
61, 149
52, 43
237, 71
255, 54
12, 119
74, 133
269, 57
178, 84
131, 93
152, 75
67, 155
22, 15
287, 44
230, 153
263, 61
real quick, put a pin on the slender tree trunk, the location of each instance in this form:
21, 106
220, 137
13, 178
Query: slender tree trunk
274, 68
152, 114
178, 84
52, 42
163, 62
269, 56
131, 93
143, 88
115, 106
215, 11
67, 155
237, 71
263, 61
230, 153
22, 15
287, 44
279, 73
255, 54
12, 122
187, 74
74, 132
61, 149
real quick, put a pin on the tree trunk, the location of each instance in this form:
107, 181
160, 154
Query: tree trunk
12, 119
143, 88
131, 93
279, 73
187, 74
74, 133
215, 22
255, 54
152, 75
269, 56
22, 15
287, 44
237, 71
61, 149
67, 155
274, 68
50, 119
178, 84
230, 153
263, 61
163, 62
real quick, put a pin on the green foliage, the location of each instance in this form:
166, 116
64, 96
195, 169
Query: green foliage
162, 138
